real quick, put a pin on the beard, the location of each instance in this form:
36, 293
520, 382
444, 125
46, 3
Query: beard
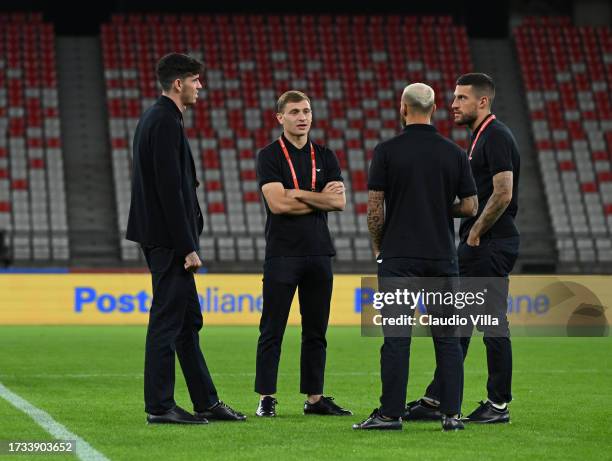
467, 119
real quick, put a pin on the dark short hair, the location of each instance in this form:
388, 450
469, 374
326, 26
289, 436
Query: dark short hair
482, 84
290, 96
176, 65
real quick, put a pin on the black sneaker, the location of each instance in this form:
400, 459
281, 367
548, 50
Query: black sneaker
267, 407
221, 412
325, 406
450, 423
486, 413
420, 410
376, 421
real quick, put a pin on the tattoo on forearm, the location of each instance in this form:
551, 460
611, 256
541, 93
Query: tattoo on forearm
376, 218
465, 207
493, 210
497, 203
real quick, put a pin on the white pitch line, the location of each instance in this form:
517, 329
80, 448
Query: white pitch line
83, 450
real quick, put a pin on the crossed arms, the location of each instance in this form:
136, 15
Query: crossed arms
299, 202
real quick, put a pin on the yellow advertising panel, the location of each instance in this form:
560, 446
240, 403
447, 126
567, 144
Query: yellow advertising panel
114, 299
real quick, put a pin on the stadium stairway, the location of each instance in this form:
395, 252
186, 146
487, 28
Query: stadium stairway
498, 59
89, 180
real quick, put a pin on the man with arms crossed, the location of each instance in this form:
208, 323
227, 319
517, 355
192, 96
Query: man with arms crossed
489, 243
165, 218
414, 181
300, 181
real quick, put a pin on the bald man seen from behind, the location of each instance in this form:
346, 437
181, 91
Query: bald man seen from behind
414, 181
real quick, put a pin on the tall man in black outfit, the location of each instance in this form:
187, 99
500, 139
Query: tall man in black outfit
489, 243
414, 181
300, 181
165, 218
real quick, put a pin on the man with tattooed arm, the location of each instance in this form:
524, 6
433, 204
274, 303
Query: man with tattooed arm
414, 181
489, 244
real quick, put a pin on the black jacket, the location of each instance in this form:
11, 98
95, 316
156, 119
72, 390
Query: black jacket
164, 210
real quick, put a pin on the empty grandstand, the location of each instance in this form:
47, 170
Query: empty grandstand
32, 190
354, 68
567, 72
354, 76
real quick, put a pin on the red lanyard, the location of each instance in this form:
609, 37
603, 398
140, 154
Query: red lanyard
482, 128
312, 159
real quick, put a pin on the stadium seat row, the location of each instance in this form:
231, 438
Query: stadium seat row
32, 193
354, 80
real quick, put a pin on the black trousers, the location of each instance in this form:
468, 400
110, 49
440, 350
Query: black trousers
494, 257
395, 351
174, 322
312, 276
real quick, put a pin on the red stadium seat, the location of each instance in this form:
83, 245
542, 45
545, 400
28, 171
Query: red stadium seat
216, 208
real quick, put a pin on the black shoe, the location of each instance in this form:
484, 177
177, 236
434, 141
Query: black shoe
325, 406
175, 416
220, 412
267, 407
486, 413
420, 410
376, 421
450, 423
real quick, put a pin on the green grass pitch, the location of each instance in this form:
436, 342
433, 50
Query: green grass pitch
90, 380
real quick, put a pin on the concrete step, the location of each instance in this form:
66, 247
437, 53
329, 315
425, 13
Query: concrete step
90, 195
